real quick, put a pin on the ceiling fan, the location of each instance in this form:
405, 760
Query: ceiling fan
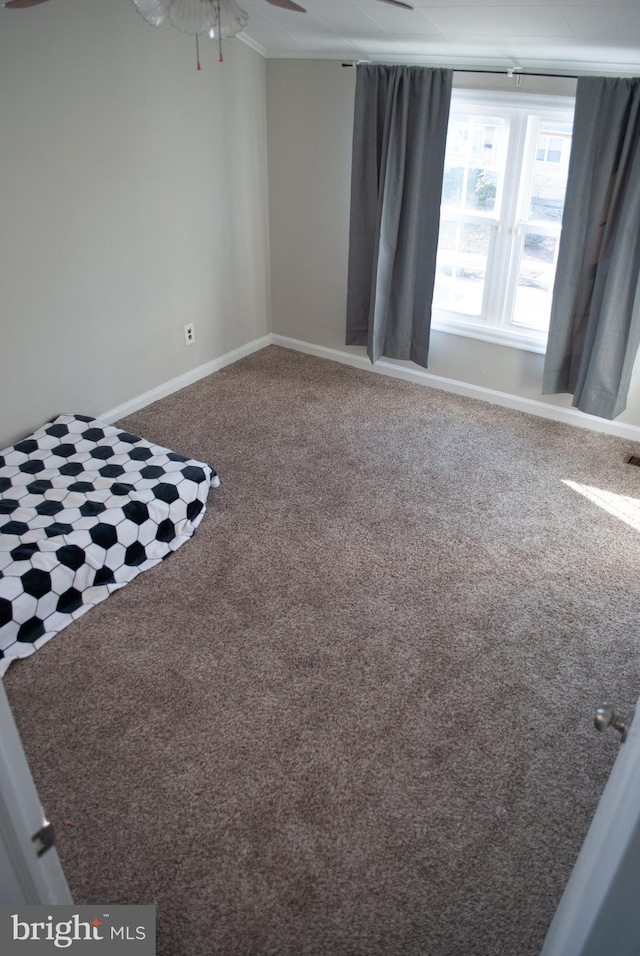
219, 19
284, 4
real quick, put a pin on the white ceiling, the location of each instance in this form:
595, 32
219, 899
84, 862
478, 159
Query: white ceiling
583, 35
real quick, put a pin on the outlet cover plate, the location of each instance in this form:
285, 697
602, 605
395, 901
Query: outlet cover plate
189, 334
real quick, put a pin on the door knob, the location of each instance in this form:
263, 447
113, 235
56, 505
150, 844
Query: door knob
607, 717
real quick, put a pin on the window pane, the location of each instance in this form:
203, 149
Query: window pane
461, 266
500, 224
452, 183
474, 162
549, 182
535, 281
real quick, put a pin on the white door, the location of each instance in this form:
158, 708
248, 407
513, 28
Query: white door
599, 913
25, 876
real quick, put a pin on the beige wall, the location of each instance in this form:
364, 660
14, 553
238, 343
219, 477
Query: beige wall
310, 112
133, 199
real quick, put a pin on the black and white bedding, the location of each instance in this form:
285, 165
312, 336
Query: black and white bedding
84, 508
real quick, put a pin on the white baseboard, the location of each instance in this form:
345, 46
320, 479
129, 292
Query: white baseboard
187, 378
569, 416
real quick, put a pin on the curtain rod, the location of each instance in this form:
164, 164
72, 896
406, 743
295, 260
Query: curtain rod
514, 71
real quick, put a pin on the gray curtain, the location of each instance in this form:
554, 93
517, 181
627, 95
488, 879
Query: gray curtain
399, 136
595, 316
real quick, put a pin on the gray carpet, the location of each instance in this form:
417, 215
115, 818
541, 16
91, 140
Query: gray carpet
353, 715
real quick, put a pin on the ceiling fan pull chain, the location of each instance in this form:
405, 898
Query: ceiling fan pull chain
220, 57
198, 67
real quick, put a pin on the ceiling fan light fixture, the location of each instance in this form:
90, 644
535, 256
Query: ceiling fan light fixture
212, 17
232, 19
154, 12
193, 16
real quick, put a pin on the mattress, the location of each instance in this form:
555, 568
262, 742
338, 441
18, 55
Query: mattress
84, 509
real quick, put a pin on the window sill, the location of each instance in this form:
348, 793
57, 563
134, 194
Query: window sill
525, 341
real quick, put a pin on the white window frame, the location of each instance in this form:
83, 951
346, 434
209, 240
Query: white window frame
514, 106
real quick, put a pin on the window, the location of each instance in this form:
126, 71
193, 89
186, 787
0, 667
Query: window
503, 189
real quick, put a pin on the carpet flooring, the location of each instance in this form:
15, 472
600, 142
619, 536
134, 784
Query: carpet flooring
352, 716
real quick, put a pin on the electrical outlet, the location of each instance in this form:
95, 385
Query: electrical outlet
189, 334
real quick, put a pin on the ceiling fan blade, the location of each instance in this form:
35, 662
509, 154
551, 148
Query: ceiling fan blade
21, 4
287, 5
398, 3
